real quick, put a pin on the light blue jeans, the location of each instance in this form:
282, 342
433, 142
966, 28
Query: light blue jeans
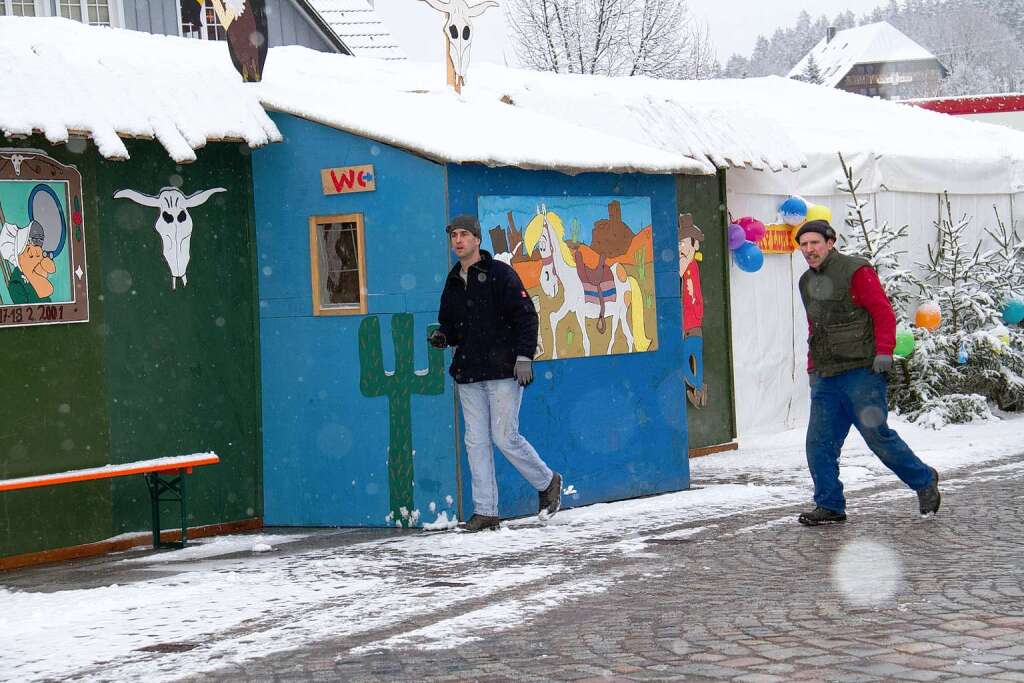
491, 412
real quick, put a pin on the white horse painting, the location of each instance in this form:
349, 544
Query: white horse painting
546, 234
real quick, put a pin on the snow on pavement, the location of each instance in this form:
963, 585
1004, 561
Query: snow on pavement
221, 602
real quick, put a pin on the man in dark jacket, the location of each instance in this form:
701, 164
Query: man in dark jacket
852, 336
488, 317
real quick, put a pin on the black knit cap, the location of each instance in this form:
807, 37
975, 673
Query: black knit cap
821, 227
465, 221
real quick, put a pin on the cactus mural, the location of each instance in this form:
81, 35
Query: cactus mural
399, 386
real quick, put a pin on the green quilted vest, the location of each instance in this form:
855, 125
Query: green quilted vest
842, 335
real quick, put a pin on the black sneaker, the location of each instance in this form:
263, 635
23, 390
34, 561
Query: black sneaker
550, 499
928, 498
480, 523
821, 516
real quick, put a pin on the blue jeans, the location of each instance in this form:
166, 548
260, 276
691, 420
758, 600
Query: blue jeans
491, 413
856, 398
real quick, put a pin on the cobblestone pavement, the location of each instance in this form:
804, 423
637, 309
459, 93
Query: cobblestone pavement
887, 596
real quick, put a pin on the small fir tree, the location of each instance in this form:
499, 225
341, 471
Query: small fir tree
812, 72
879, 245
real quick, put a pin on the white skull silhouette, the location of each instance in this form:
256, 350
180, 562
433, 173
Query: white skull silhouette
173, 223
459, 29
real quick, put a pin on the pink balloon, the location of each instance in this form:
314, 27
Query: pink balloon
737, 236
754, 230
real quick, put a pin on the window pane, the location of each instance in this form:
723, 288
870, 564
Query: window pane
338, 261
214, 29
71, 9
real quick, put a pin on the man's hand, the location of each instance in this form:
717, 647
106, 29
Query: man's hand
812, 378
523, 371
437, 339
882, 364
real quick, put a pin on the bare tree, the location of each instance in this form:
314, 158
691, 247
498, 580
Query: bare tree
609, 37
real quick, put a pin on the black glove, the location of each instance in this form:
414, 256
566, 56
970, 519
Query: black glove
523, 371
882, 364
437, 339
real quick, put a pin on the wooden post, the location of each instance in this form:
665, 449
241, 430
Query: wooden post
453, 79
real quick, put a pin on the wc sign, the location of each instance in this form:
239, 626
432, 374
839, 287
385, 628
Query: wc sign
346, 179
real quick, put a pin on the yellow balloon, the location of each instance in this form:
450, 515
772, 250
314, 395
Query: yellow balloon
817, 212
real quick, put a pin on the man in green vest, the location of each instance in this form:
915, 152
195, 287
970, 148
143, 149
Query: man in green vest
852, 336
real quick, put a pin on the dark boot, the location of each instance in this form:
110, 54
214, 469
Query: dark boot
481, 522
821, 516
550, 499
928, 498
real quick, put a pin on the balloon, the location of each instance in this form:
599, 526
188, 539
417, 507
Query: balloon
754, 230
905, 342
817, 212
793, 211
736, 236
1013, 312
928, 316
748, 257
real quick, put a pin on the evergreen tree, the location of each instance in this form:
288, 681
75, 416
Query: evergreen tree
811, 73
880, 246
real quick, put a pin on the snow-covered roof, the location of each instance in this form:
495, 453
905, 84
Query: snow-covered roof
61, 78
868, 44
408, 106
359, 27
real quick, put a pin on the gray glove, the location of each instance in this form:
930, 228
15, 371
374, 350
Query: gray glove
437, 339
812, 378
882, 364
523, 371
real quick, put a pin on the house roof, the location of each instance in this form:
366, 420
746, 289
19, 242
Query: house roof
359, 27
868, 44
62, 78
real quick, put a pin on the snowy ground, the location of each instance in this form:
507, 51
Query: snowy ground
227, 600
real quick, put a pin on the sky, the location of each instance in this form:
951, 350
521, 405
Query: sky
734, 25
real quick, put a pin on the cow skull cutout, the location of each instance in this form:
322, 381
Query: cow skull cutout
458, 32
173, 223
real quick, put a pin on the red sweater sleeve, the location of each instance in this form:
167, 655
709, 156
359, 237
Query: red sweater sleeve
867, 293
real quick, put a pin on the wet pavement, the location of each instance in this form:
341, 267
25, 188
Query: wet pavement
753, 597
750, 596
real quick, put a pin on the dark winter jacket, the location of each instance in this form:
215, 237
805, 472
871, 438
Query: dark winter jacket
489, 319
842, 331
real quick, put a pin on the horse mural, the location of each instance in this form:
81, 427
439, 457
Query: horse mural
595, 294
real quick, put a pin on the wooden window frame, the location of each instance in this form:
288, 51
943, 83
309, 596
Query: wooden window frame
319, 309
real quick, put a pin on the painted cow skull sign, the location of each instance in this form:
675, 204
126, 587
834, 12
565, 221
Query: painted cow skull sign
458, 30
173, 223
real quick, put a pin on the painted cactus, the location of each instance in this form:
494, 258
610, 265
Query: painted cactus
398, 386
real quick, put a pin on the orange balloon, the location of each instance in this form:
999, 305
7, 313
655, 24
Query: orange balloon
928, 316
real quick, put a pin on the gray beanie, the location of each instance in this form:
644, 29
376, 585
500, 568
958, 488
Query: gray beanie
821, 227
465, 221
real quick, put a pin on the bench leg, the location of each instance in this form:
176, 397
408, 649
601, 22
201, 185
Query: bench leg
175, 487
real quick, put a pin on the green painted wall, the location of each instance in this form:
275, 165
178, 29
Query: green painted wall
704, 197
156, 372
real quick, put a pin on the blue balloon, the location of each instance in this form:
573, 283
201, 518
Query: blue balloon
748, 257
793, 211
1013, 312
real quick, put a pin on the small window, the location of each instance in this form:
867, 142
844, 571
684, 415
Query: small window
338, 264
18, 8
200, 20
92, 12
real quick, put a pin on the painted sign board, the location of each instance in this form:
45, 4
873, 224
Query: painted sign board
347, 179
43, 277
778, 239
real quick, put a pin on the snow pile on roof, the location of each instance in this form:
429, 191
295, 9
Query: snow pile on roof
408, 106
62, 78
869, 44
360, 28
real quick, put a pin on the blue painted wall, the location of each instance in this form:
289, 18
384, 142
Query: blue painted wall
325, 445
615, 426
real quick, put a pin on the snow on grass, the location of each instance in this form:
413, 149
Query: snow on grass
234, 605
